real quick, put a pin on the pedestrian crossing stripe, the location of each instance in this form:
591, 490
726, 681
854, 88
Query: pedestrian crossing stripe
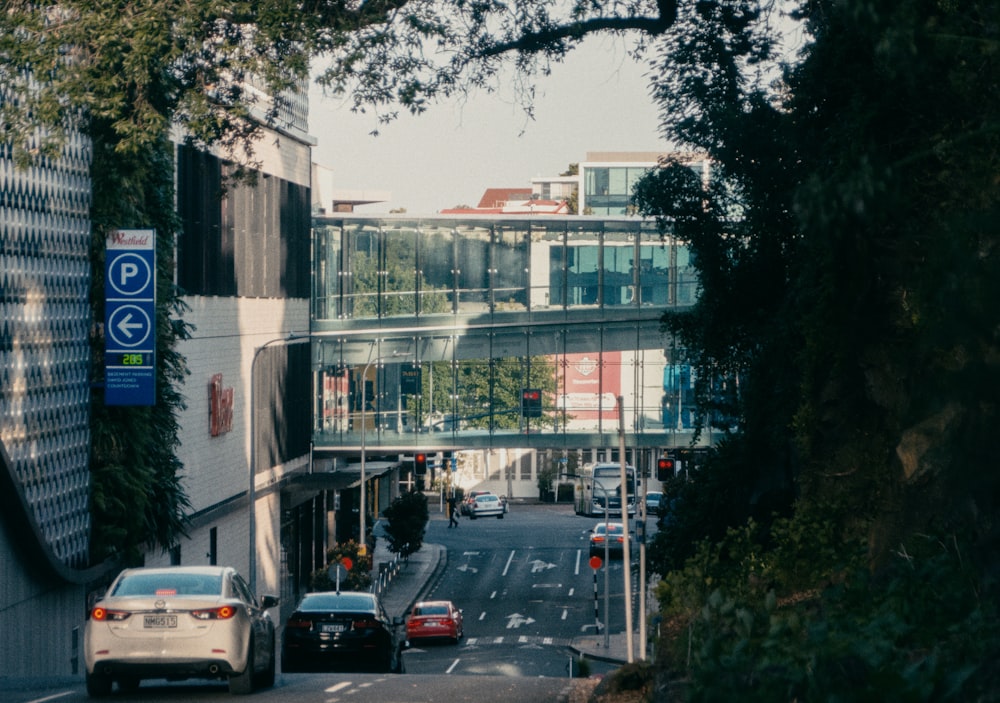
521, 640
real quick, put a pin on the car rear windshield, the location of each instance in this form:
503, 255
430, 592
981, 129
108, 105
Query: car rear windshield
167, 584
431, 610
338, 601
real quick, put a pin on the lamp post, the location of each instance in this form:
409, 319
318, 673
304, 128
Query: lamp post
290, 338
363, 542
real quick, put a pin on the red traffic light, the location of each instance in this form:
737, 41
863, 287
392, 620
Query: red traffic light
420, 463
664, 468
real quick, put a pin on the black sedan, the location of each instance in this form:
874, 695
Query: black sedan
342, 631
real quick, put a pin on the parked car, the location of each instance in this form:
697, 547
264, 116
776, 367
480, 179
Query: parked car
653, 501
179, 622
437, 619
611, 532
470, 498
487, 505
341, 630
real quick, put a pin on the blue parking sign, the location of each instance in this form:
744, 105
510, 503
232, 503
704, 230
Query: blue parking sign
130, 318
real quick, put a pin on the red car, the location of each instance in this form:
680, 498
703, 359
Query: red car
435, 619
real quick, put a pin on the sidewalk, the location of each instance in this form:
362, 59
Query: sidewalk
413, 577
416, 574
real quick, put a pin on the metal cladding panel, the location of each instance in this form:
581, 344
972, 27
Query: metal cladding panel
44, 345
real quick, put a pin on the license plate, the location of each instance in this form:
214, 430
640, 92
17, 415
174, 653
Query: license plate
159, 622
332, 627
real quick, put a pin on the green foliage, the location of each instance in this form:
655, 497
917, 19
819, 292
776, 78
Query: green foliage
357, 578
407, 518
920, 631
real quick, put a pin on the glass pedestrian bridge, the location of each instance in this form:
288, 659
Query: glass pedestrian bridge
455, 332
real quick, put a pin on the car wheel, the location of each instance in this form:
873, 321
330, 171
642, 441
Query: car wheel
98, 685
500, 516
472, 516
266, 679
242, 684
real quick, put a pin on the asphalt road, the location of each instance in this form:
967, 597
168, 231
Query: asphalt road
526, 590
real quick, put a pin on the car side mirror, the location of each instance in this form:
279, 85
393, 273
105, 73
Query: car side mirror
269, 601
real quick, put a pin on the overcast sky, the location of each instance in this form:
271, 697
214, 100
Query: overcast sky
597, 100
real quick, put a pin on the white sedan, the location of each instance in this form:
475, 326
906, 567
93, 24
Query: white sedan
179, 622
486, 505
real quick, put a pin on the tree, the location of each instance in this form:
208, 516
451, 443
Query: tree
847, 251
406, 518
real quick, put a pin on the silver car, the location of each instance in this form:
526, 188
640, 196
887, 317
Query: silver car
179, 622
486, 505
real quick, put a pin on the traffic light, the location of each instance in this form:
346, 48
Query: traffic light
664, 468
531, 402
420, 464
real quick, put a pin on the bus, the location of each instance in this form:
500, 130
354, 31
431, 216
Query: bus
603, 480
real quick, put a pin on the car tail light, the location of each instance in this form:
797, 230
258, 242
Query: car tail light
298, 625
223, 612
101, 614
365, 624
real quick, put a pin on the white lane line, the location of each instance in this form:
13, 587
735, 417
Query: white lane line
52, 697
482, 616
452, 667
338, 686
576, 569
509, 560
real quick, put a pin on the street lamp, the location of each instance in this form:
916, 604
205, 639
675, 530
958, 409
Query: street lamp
290, 338
363, 542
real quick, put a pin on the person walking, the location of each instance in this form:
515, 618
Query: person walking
452, 511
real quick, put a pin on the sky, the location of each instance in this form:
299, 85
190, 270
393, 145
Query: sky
596, 100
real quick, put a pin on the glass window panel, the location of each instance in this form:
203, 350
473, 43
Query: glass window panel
326, 279
472, 243
617, 181
548, 266
436, 269
359, 265
687, 277
618, 279
399, 271
582, 267
510, 267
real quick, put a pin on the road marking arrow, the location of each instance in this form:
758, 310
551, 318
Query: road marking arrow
539, 565
516, 620
466, 567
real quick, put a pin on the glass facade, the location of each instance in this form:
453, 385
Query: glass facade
426, 332
608, 189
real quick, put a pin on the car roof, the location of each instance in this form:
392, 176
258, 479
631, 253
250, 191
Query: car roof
200, 570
